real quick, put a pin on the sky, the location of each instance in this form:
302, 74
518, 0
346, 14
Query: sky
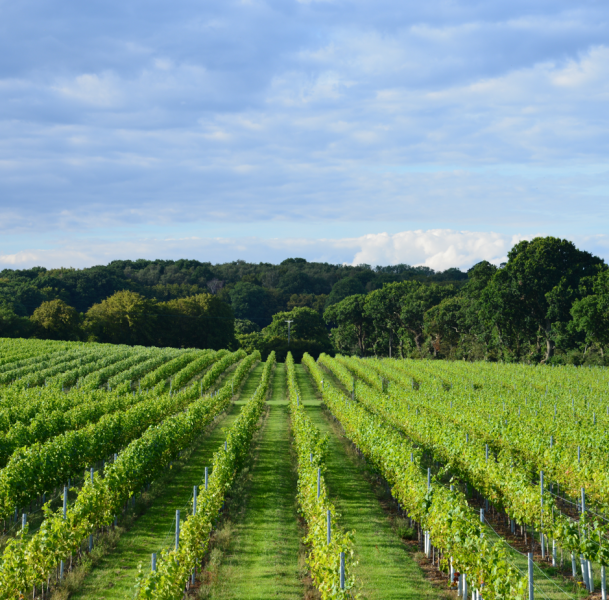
380, 132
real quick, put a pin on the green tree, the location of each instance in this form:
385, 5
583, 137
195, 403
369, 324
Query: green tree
251, 341
479, 276
55, 320
201, 321
243, 326
475, 331
297, 282
349, 286
384, 308
123, 318
13, 325
316, 302
531, 297
353, 326
252, 302
442, 323
415, 304
307, 324
398, 309
591, 313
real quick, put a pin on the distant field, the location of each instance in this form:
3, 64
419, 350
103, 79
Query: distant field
337, 478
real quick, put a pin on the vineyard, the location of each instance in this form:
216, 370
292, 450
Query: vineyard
159, 474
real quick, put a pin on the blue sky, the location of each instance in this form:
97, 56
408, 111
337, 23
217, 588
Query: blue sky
435, 132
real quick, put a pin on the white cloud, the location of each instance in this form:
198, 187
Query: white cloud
439, 249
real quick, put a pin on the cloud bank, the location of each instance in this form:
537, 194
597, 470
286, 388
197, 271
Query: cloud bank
439, 249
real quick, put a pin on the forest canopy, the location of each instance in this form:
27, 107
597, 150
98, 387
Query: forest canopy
548, 303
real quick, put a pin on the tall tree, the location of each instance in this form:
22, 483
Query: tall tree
384, 307
419, 299
252, 302
536, 289
123, 318
306, 324
344, 288
55, 320
442, 323
201, 321
353, 326
13, 325
399, 309
591, 313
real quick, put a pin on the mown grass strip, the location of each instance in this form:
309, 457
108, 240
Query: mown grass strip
262, 559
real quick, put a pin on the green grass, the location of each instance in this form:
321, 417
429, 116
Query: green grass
261, 559
114, 575
386, 570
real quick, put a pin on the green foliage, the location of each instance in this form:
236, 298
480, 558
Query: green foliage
244, 326
540, 302
314, 301
111, 356
201, 321
354, 327
123, 318
280, 347
169, 368
182, 377
307, 334
55, 320
36, 370
504, 482
307, 324
443, 512
442, 325
344, 288
416, 302
323, 559
251, 341
252, 302
536, 290
97, 377
99, 500
13, 325
299, 282
539, 307
157, 358
399, 309
40, 467
47, 424
591, 313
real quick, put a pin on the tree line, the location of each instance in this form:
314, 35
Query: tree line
126, 317
549, 303
254, 291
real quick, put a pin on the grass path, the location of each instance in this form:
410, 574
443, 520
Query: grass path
386, 570
114, 576
261, 561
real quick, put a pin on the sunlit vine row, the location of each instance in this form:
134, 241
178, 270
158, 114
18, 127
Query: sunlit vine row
323, 558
